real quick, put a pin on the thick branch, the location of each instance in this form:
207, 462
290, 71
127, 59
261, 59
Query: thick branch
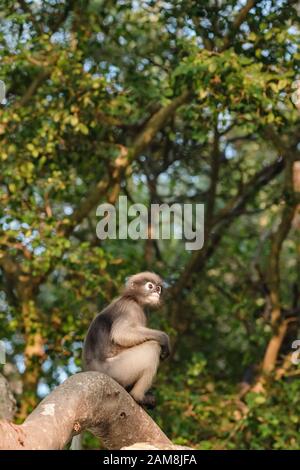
239, 19
280, 235
111, 183
278, 323
156, 122
223, 220
87, 400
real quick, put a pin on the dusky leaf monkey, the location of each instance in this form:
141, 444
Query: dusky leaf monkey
119, 344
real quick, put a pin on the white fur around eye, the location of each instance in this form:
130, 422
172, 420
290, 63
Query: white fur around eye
149, 286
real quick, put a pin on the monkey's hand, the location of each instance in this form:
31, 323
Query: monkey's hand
165, 346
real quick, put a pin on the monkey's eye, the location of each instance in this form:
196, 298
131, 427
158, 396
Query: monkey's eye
158, 289
149, 286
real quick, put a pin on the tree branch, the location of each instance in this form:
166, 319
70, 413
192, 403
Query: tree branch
88, 400
111, 184
223, 220
239, 19
278, 323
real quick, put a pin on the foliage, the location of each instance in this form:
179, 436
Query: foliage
83, 81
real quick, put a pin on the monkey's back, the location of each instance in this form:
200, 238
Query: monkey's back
97, 344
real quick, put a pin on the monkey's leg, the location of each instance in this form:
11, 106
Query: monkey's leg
137, 367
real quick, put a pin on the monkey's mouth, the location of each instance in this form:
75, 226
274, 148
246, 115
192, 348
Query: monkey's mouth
154, 297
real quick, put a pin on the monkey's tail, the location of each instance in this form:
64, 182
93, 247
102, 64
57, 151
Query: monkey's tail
76, 443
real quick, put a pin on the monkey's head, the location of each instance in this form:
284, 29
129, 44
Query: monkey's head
145, 288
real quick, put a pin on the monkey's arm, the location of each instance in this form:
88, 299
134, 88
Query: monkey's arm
126, 334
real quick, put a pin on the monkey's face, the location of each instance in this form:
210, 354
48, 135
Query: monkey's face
145, 288
151, 293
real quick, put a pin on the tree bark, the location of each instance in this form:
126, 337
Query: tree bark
88, 400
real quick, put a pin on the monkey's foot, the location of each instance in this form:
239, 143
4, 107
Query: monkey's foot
149, 401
